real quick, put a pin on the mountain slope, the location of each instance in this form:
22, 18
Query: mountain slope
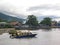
10, 18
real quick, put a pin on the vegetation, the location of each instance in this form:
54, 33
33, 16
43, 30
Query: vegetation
12, 32
46, 21
8, 26
10, 18
32, 20
2, 20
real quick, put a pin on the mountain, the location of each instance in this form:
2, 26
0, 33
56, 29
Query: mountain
10, 18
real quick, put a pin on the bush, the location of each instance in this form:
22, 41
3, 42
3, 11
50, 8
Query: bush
12, 32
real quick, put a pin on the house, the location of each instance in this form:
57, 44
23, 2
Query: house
44, 26
3, 24
58, 24
15, 23
25, 26
54, 23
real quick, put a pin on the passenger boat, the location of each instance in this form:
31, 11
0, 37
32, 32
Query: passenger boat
20, 34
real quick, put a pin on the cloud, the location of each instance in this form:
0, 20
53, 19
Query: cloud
11, 10
45, 6
26, 7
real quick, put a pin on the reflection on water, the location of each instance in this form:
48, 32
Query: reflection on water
47, 29
44, 37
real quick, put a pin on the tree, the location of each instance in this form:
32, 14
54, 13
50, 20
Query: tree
3, 20
46, 21
32, 20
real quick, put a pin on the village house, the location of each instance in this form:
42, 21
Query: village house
15, 23
2, 24
53, 23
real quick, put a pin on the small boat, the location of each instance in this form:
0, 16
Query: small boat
26, 36
20, 34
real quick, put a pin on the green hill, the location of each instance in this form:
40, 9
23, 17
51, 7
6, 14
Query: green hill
10, 18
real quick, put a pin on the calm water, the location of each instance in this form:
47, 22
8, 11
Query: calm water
44, 37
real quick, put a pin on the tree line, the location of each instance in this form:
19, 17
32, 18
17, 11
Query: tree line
32, 21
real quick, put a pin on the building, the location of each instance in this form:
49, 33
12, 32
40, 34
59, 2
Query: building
25, 26
15, 23
58, 24
3, 24
44, 26
54, 23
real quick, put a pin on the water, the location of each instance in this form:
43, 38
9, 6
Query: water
44, 37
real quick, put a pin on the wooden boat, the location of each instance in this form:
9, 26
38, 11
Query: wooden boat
20, 34
26, 36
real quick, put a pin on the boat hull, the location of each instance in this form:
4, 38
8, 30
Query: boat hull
26, 36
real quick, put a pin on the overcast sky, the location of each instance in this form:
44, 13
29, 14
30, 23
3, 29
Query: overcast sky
27, 7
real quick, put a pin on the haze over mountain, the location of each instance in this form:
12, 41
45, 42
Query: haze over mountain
10, 18
54, 18
21, 18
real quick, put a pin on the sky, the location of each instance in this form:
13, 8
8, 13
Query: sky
28, 7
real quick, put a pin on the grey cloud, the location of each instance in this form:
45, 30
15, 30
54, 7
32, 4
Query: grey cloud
47, 7
6, 9
42, 17
13, 14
